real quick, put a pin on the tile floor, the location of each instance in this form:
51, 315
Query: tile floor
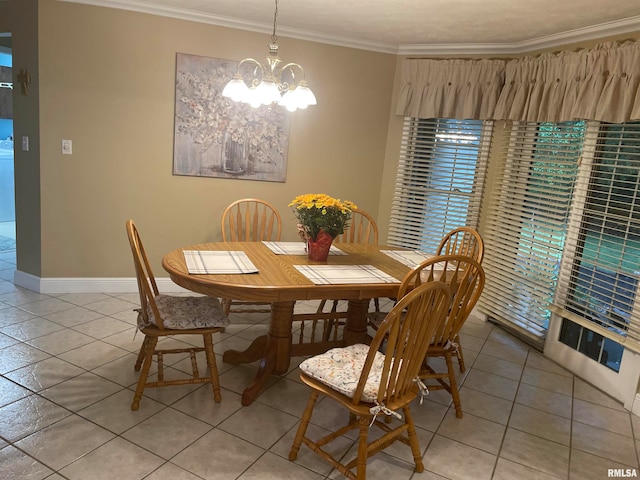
66, 379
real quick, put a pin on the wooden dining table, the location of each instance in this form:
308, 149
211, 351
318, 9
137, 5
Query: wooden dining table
280, 283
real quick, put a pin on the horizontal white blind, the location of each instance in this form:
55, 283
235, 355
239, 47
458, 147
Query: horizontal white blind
440, 180
526, 224
599, 277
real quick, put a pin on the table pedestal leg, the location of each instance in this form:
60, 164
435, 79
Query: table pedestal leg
356, 328
276, 355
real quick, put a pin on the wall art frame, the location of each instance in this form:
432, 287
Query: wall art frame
216, 137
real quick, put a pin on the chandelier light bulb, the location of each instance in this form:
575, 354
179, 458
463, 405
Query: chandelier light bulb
266, 84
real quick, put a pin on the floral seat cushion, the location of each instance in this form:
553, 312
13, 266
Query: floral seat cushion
340, 369
183, 313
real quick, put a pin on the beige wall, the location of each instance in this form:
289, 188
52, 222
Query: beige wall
107, 80
20, 18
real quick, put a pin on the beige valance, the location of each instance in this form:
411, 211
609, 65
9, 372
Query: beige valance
450, 88
602, 83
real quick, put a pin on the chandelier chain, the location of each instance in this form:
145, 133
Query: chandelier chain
274, 37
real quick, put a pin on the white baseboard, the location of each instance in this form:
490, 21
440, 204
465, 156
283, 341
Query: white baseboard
87, 285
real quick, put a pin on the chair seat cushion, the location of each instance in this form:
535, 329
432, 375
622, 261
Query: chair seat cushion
340, 369
183, 313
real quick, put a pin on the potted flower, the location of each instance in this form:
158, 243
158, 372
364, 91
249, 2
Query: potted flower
321, 218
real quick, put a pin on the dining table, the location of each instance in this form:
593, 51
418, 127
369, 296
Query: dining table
281, 273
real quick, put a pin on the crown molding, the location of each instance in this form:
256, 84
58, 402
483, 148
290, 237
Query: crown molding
617, 27
609, 29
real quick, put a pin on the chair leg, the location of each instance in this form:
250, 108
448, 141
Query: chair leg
213, 367
141, 353
150, 346
453, 385
304, 423
413, 439
331, 323
226, 305
361, 468
459, 354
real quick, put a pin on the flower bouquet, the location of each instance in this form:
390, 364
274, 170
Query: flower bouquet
321, 218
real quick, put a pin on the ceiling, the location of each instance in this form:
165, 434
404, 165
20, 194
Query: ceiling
412, 26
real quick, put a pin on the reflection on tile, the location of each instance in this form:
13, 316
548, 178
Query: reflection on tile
535, 452
513, 353
11, 391
44, 374
169, 424
259, 424
453, 459
16, 464
57, 445
602, 443
497, 366
117, 458
588, 393
60, 341
485, 405
28, 415
508, 470
19, 355
238, 456
273, 467
544, 400
114, 412
548, 380
34, 328
492, 384
473, 431
542, 424
81, 391
602, 417
585, 466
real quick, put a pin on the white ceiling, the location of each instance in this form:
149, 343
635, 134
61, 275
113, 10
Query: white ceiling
412, 26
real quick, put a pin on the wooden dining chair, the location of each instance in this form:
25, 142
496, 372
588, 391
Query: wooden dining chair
370, 384
249, 220
466, 278
462, 241
362, 228
161, 316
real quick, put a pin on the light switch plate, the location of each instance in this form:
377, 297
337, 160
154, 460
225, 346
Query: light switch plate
67, 147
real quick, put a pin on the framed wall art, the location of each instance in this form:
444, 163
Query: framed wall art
216, 137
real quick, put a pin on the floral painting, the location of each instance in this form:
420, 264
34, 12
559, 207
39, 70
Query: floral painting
216, 137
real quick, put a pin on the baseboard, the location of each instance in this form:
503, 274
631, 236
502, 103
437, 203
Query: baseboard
87, 285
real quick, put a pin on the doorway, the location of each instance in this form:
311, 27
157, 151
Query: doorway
7, 179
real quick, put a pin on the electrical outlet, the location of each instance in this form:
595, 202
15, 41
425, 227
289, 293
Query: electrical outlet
67, 147
25, 143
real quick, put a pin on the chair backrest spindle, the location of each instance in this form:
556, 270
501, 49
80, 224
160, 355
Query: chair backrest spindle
250, 220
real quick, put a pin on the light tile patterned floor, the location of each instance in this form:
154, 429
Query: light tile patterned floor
66, 379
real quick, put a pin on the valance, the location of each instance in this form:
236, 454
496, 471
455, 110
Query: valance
602, 84
450, 88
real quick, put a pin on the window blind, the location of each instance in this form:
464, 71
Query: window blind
600, 272
526, 224
440, 179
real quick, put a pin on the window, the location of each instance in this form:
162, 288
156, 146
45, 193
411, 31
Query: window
599, 281
440, 180
527, 220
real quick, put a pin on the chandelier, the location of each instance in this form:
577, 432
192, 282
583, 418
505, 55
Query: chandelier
270, 82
